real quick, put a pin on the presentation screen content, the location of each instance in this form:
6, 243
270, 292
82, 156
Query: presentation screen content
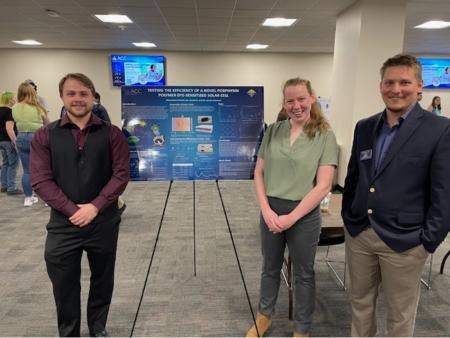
187, 133
138, 70
435, 73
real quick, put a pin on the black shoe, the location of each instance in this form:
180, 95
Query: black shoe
3, 190
15, 192
121, 210
102, 333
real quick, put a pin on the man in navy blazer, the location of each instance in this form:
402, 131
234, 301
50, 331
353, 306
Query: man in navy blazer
396, 201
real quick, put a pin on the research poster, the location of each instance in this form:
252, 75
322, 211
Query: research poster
187, 132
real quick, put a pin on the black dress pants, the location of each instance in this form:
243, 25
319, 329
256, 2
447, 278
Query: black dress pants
63, 252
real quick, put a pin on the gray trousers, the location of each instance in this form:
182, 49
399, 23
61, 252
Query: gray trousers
302, 239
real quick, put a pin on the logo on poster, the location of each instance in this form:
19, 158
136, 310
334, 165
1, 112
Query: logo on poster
251, 92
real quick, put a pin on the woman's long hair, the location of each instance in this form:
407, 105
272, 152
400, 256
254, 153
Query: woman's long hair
27, 94
282, 115
433, 103
317, 121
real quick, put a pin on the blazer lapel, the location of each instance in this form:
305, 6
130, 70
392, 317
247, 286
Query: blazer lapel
374, 144
404, 133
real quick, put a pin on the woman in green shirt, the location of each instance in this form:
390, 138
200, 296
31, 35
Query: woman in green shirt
435, 106
294, 172
29, 115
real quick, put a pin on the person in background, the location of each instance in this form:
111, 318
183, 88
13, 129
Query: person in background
294, 172
8, 133
99, 109
395, 204
29, 116
40, 99
435, 106
79, 167
419, 96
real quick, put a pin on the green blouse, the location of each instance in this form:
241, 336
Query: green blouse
290, 171
27, 117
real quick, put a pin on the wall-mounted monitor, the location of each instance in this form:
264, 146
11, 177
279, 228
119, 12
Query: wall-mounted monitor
138, 70
435, 73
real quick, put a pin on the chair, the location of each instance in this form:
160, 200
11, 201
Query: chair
328, 236
441, 270
334, 236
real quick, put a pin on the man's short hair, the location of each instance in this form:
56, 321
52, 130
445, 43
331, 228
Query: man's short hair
79, 77
406, 60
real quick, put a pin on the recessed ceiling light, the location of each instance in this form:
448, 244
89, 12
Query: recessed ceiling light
257, 46
434, 24
27, 42
144, 44
279, 22
114, 18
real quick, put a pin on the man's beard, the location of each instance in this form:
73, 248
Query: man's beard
78, 114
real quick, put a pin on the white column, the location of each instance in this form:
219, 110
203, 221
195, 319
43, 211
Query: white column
367, 33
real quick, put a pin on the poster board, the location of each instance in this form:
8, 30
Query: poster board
189, 132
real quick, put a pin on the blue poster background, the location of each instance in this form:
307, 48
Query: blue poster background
187, 132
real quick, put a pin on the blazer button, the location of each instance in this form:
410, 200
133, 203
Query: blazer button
370, 211
372, 189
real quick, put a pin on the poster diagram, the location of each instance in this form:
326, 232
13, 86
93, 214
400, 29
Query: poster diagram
186, 133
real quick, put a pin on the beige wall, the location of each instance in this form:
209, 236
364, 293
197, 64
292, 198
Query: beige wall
46, 67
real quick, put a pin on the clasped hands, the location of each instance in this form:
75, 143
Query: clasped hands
275, 223
84, 215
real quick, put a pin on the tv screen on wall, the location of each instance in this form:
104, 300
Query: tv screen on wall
138, 70
435, 73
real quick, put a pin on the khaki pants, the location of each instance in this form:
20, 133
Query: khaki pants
372, 262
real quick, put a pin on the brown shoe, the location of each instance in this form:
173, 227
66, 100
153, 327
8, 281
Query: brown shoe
298, 334
263, 322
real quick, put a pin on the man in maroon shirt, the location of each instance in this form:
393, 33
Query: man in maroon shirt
79, 166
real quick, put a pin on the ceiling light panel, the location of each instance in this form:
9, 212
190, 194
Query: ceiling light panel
27, 42
257, 46
279, 22
434, 24
113, 18
144, 44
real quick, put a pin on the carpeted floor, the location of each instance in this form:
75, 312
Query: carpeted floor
177, 279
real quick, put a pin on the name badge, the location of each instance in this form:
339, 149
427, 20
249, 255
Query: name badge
365, 155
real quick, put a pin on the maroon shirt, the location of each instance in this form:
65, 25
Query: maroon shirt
41, 170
